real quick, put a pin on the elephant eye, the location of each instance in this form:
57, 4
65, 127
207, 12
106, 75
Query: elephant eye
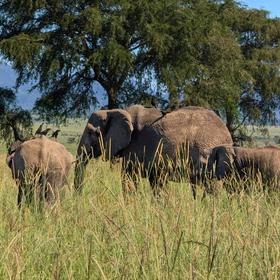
94, 132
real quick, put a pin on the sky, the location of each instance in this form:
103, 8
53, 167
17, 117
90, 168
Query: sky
8, 79
273, 6
26, 100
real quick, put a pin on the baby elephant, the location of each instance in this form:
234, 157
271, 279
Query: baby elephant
40, 166
265, 160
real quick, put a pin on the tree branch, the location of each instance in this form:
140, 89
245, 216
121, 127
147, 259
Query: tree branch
241, 123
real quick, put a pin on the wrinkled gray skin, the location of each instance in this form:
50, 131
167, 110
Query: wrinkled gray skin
137, 132
266, 160
39, 163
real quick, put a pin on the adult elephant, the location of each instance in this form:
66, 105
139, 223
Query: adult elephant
156, 144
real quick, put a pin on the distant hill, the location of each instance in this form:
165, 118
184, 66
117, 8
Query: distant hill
27, 99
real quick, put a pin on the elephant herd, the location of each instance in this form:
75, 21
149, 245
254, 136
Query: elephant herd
154, 144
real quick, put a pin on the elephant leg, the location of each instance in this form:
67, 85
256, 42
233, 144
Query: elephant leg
80, 170
129, 182
130, 178
51, 194
31, 180
28, 188
197, 172
43, 191
158, 179
193, 186
54, 182
196, 180
185, 169
20, 196
43, 188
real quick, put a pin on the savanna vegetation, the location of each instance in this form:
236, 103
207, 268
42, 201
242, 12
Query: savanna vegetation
103, 234
216, 54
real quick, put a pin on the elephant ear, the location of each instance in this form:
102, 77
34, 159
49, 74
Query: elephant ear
117, 132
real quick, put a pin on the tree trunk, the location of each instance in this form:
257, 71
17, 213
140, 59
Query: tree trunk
112, 97
230, 124
173, 100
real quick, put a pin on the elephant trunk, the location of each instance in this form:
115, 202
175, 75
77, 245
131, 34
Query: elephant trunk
80, 166
80, 169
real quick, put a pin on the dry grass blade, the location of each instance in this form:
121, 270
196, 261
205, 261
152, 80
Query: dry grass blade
101, 235
177, 251
164, 246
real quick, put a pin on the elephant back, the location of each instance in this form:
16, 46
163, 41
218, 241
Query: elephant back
265, 159
43, 154
197, 127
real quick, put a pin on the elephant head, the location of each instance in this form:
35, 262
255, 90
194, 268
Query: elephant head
220, 157
107, 132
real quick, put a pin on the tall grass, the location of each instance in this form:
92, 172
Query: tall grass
103, 235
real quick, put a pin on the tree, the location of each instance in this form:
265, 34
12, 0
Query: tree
15, 123
68, 46
258, 37
235, 62
213, 53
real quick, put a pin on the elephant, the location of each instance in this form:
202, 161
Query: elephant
154, 144
265, 160
39, 166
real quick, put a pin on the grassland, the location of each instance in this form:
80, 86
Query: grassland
103, 235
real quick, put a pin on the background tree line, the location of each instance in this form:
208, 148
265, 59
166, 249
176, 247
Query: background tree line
212, 53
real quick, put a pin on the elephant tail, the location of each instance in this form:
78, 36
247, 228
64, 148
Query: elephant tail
9, 160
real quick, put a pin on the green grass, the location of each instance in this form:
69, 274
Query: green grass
103, 235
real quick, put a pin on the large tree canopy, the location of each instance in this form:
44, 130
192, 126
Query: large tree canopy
67, 46
254, 75
235, 62
214, 53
